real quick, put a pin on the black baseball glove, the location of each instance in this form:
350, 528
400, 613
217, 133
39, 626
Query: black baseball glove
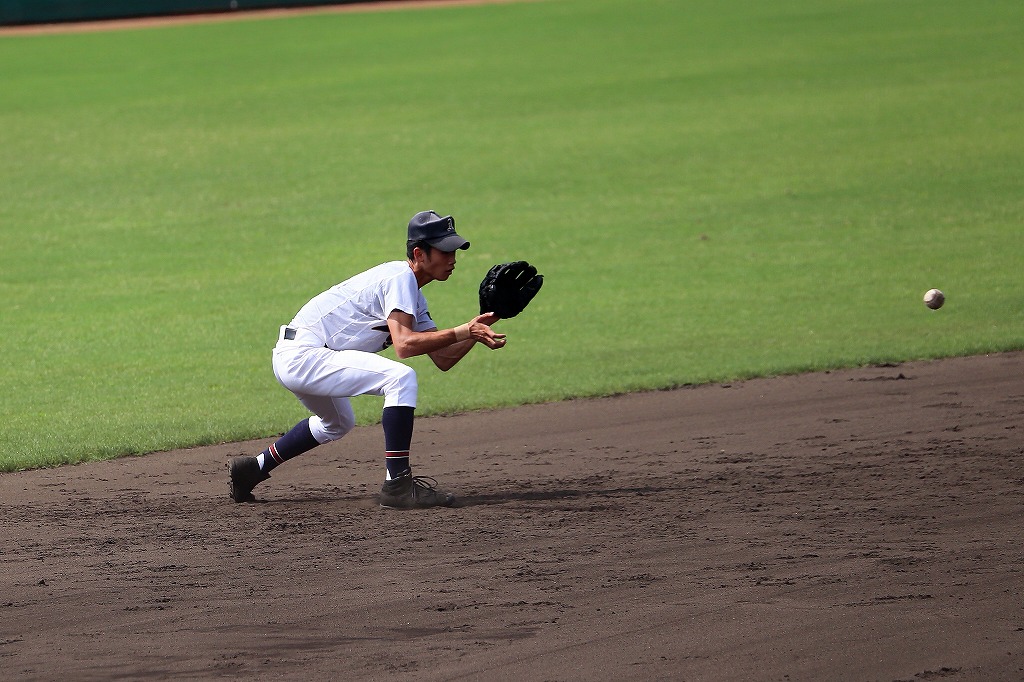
508, 288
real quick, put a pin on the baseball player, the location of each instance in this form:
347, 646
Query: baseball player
328, 353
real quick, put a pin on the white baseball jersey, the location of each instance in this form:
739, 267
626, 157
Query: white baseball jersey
353, 315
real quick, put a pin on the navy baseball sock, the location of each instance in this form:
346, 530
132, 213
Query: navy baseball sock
397, 422
292, 444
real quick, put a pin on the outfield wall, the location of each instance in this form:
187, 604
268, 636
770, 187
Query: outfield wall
14, 12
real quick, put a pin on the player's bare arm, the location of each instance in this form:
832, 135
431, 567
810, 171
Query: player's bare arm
447, 346
449, 356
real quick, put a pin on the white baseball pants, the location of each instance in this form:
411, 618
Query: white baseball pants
323, 380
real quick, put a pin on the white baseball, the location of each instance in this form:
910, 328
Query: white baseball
933, 298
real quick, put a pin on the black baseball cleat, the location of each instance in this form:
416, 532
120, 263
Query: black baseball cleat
245, 475
413, 492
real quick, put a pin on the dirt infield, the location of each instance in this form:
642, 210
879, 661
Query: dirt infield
860, 525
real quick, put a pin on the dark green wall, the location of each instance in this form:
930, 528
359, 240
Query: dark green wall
50, 11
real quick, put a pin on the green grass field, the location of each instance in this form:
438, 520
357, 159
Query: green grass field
713, 189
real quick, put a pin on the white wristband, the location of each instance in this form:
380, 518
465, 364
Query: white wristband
462, 332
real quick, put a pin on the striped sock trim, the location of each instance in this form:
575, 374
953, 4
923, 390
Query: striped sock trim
397, 463
272, 450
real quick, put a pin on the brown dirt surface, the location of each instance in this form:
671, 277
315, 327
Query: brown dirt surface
862, 524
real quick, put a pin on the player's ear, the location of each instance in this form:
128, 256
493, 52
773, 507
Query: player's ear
422, 253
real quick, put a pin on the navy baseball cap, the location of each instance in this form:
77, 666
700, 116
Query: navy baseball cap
439, 232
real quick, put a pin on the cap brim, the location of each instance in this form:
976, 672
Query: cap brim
449, 243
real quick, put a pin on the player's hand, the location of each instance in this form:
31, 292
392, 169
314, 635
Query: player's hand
480, 330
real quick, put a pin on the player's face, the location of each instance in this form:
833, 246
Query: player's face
440, 264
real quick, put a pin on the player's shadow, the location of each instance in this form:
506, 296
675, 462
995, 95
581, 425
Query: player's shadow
481, 499
557, 495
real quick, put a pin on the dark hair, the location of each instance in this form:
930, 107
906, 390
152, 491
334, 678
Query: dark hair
413, 243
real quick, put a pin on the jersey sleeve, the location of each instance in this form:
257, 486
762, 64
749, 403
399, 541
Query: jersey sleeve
401, 293
423, 321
